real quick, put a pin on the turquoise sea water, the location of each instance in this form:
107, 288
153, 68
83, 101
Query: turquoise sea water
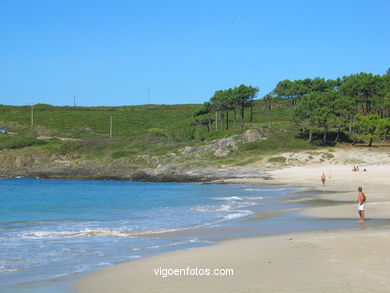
54, 230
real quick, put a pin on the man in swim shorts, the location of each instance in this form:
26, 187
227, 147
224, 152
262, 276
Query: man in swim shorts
361, 201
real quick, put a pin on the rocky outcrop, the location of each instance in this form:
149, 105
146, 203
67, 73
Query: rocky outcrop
252, 135
171, 173
222, 152
219, 147
179, 173
224, 146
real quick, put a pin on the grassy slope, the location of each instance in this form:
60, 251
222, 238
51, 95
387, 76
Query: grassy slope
151, 130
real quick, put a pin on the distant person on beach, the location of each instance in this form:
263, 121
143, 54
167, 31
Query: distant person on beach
357, 168
323, 178
361, 201
354, 169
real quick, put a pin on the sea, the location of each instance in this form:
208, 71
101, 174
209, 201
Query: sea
55, 231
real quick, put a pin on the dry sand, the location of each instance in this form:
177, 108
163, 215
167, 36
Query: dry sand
353, 260
343, 261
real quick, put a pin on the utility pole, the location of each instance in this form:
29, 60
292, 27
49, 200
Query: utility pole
148, 96
32, 115
110, 126
216, 120
74, 101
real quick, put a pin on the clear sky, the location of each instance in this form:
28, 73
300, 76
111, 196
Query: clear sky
111, 52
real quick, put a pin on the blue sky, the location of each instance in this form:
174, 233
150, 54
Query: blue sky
111, 52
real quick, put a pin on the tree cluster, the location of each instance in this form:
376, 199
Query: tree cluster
325, 110
215, 113
359, 104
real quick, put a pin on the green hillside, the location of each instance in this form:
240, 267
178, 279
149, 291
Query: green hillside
82, 133
82, 122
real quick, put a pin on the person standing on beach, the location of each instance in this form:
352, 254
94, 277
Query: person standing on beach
323, 178
361, 201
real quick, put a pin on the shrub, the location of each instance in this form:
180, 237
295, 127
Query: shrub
121, 154
158, 132
277, 160
18, 141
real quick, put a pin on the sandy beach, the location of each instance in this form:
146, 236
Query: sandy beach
348, 260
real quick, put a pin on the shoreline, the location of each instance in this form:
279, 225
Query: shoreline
166, 174
137, 276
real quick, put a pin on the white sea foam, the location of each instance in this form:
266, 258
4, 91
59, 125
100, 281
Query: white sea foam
228, 198
104, 264
288, 189
221, 208
265, 189
237, 198
168, 244
200, 241
9, 270
99, 233
83, 233
239, 214
253, 198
